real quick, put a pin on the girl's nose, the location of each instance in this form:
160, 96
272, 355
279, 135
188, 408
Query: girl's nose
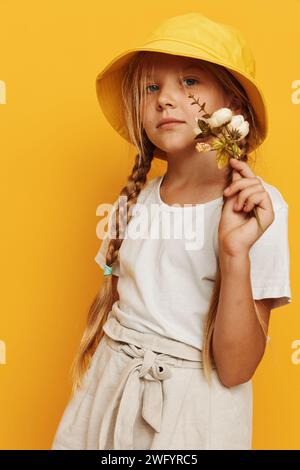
167, 97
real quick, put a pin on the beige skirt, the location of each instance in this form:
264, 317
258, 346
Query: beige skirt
145, 391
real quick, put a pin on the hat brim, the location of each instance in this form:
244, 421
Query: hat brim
109, 80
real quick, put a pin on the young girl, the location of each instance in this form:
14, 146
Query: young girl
180, 324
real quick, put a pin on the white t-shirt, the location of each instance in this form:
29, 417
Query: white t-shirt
165, 283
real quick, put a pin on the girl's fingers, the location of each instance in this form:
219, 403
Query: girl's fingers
244, 194
246, 185
247, 202
242, 167
240, 184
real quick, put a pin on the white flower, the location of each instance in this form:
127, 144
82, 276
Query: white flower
197, 131
220, 117
238, 123
236, 120
243, 129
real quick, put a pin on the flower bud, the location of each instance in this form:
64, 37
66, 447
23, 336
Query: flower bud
203, 147
197, 130
243, 129
236, 121
220, 117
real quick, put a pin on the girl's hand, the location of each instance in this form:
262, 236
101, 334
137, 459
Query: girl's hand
238, 231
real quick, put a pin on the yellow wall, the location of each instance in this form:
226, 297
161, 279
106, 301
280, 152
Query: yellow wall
60, 159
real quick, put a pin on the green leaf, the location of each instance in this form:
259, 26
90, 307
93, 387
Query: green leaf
222, 160
218, 144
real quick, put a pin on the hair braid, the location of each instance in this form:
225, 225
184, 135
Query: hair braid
136, 182
103, 301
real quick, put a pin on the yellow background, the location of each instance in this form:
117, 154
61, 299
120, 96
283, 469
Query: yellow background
60, 159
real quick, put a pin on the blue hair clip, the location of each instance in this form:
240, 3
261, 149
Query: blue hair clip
107, 270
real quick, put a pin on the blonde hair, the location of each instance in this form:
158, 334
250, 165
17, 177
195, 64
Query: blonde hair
133, 94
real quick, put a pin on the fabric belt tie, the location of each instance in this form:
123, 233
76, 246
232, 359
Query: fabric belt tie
150, 367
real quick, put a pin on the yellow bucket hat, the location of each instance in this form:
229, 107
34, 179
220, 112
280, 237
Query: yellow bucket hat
190, 35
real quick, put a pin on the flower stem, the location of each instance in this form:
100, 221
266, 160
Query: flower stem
257, 218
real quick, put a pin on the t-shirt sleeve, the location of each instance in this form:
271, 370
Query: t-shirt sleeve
101, 255
270, 261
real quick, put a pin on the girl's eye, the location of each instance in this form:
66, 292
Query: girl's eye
193, 80
148, 86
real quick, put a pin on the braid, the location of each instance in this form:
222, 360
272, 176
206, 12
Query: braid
136, 182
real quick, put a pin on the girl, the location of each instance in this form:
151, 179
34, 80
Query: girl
179, 326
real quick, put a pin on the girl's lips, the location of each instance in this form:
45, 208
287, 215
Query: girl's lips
167, 125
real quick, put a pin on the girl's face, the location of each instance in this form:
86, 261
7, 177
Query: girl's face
167, 97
